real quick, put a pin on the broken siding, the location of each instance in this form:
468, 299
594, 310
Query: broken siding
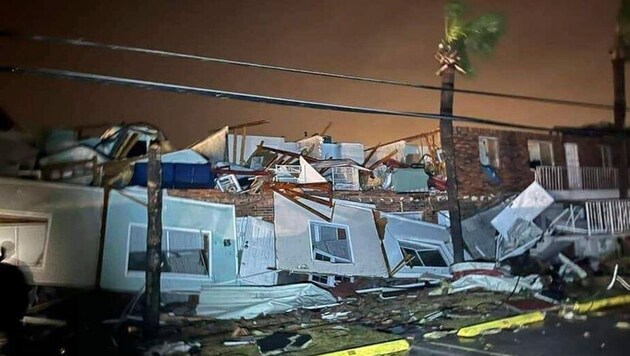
73, 218
178, 214
431, 239
293, 239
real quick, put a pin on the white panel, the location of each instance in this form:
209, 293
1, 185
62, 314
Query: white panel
74, 215
31, 244
308, 174
528, 205
8, 233
258, 253
293, 240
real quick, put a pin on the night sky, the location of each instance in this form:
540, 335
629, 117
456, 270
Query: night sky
552, 48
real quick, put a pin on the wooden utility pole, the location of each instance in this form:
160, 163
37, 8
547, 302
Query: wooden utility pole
448, 154
154, 243
619, 84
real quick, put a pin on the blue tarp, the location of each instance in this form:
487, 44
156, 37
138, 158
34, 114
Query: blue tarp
491, 173
177, 175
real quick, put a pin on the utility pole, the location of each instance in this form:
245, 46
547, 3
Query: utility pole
448, 154
619, 84
154, 243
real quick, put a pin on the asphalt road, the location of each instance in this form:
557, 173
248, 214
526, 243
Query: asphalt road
597, 335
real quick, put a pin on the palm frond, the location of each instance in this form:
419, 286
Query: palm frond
483, 33
454, 11
623, 20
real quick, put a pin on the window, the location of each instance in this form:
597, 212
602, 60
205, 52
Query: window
330, 243
489, 151
606, 155
24, 239
183, 251
329, 280
423, 257
540, 153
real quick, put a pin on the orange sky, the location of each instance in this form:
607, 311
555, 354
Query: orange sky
553, 49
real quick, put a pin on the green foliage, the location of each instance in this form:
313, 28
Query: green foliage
478, 35
623, 20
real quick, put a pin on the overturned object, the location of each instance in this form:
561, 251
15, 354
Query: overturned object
493, 284
235, 302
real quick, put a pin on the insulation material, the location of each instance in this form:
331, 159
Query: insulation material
308, 174
72, 154
256, 248
421, 239
527, 206
236, 302
251, 143
312, 146
54, 230
353, 151
304, 240
213, 147
181, 156
384, 151
493, 284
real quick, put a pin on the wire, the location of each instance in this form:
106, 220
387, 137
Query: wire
182, 89
85, 43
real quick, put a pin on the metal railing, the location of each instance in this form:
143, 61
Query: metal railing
576, 178
607, 216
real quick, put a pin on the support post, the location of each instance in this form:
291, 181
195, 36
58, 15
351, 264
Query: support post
619, 83
154, 243
448, 154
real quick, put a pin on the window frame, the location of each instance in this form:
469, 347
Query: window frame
539, 143
311, 230
494, 139
16, 225
206, 236
606, 154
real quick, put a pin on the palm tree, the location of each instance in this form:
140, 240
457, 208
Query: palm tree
478, 35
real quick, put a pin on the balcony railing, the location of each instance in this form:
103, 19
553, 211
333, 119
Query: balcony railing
608, 216
576, 178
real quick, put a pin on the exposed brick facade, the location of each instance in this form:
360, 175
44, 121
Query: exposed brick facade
261, 205
513, 171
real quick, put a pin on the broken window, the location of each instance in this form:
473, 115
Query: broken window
489, 151
606, 155
423, 257
183, 251
329, 280
330, 243
540, 153
24, 239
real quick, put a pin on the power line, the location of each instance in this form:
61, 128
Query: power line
85, 43
183, 89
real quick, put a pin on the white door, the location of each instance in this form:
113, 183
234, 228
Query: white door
574, 174
259, 253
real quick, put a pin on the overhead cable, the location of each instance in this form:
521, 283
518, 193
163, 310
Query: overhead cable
86, 43
222, 94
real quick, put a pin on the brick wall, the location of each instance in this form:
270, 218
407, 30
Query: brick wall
261, 205
514, 172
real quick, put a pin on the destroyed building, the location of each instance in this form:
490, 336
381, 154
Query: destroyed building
243, 209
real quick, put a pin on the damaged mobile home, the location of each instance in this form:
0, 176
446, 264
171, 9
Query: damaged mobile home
246, 210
